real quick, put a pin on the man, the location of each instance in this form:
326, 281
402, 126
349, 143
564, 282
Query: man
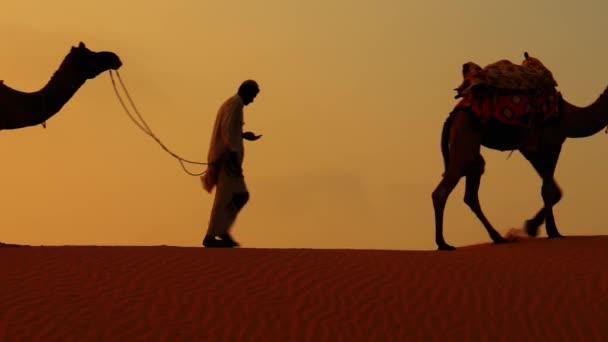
224, 171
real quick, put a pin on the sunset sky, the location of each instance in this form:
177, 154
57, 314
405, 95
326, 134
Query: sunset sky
353, 96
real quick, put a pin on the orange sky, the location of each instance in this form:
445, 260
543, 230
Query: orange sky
353, 97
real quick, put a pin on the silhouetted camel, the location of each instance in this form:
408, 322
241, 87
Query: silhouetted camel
463, 134
19, 109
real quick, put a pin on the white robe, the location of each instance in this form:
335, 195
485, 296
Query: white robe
227, 136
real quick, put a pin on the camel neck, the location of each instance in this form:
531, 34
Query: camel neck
582, 122
20, 109
61, 87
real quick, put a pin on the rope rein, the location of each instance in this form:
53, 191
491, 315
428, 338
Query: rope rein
144, 126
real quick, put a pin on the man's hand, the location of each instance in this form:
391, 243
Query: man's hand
251, 136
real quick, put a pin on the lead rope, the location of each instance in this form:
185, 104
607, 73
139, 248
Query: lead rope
144, 126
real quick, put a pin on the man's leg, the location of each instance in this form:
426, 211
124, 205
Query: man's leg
239, 200
220, 219
230, 197
223, 215
237, 203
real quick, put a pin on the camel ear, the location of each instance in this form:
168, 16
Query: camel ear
81, 45
526, 56
465, 68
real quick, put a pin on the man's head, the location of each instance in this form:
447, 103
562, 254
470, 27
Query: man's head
248, 91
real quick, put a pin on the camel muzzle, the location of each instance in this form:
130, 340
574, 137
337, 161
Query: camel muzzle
116, 64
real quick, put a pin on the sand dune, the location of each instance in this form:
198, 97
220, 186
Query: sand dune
542, 290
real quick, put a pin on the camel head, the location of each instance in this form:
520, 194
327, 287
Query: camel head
89, 63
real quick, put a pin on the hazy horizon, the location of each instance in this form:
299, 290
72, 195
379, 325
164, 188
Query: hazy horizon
353, 96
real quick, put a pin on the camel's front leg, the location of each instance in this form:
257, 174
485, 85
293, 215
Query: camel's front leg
544, 163
532, 225
549, 192
471, 198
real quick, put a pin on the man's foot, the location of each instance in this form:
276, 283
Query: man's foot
212, 242
229, 240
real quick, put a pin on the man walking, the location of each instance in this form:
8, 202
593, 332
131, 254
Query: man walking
224, 171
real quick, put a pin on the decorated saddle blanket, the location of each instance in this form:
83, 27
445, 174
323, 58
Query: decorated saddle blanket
522, 95
527, 109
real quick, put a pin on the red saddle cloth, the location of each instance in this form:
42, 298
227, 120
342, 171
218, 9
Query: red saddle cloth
526, 109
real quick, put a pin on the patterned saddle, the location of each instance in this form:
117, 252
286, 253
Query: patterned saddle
522, 95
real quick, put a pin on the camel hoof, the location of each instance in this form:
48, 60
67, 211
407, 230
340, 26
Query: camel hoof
555, 236
531, 229
445, 247
500, 240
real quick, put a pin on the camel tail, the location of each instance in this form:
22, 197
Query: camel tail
445, 142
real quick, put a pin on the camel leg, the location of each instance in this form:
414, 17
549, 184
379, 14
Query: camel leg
544, 163
550, 192
465, 145
532, 225
440, 197
471, 198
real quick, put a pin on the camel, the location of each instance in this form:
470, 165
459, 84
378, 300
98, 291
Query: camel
20, 109
461, 140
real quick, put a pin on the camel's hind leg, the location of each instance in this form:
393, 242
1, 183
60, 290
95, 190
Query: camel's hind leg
464, 152
471, 198
440, 197
544, 163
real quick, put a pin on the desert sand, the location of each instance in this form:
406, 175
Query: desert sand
538, 289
